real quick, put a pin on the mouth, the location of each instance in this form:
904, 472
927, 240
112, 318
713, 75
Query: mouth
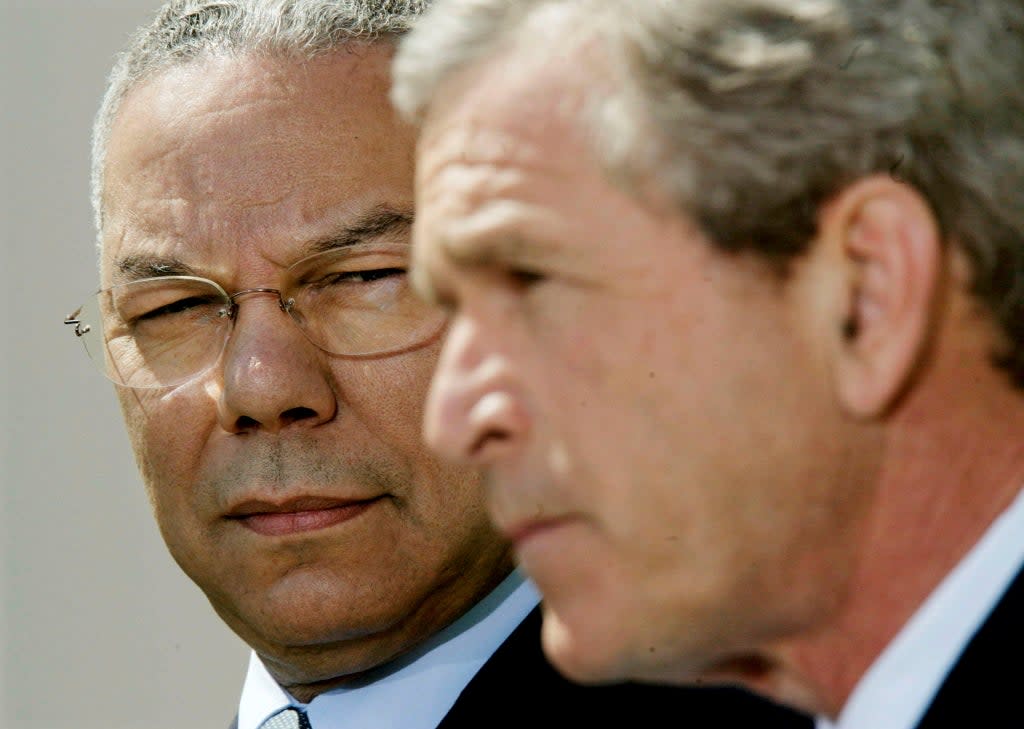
525, 531
295, 516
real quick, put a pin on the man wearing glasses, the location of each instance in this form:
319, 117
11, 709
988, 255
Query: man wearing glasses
253, 192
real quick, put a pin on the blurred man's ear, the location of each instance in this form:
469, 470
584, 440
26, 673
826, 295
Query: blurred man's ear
891, 247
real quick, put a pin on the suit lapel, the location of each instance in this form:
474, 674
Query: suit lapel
981, 690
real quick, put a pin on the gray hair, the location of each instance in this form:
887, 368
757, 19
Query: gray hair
750, 114
187, 29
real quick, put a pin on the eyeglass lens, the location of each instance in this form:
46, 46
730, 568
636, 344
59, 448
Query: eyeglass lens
353, 301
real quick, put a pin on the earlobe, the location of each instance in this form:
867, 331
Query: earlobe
892, 248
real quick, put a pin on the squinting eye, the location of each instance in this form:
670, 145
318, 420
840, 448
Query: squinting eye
373, 274
175, 307
524, 278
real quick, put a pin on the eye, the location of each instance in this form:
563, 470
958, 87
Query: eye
176, 307
524, 278
366, 276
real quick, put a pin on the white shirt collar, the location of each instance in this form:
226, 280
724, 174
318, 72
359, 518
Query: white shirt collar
429, 678
902, 682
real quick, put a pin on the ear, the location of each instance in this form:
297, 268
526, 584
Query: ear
889, 242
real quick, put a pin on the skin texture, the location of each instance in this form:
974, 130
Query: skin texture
235, 168
590, 329
712, 472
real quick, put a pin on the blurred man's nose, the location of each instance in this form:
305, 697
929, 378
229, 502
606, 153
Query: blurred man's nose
474, 412
273, 377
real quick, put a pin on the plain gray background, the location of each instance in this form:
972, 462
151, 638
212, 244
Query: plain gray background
98, 627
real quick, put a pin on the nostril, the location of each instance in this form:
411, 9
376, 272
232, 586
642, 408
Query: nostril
296, 414
245, 423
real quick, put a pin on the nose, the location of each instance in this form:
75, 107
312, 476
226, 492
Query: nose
474, 412
273, 377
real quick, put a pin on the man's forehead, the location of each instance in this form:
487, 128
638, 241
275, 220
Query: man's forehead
219, 98
276, 152
529, 100
484, 123
222, 79
217, 123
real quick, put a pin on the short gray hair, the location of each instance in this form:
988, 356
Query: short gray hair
750, 114
187, 29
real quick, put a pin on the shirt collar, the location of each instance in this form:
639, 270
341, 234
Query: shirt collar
902, 682
430, 677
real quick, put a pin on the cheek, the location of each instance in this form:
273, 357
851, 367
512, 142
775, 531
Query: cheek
660, 418
167, 432
389, 394
608, 393
388, 401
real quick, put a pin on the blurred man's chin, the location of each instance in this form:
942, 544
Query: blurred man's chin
590, 647
580, 650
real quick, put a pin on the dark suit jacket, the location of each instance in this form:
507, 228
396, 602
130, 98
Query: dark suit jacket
518, 688
984, 688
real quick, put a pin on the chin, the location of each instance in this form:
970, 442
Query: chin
305, 631
581, 653
309, 650
591, 647
283, 619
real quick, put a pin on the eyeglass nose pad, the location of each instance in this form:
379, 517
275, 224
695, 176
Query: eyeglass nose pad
231, 310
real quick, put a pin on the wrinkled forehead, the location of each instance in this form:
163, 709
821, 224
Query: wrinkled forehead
526, 106
516, 125
241, 146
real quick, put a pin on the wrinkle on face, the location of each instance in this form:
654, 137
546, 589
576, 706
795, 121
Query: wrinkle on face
238, 188
637, 337
485, 183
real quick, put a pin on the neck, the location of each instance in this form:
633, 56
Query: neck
951, 467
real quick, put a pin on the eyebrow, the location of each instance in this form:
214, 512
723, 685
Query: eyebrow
480, 250
381, 221
135, 267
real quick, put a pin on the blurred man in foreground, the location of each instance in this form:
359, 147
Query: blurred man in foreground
253, 189
738, 334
